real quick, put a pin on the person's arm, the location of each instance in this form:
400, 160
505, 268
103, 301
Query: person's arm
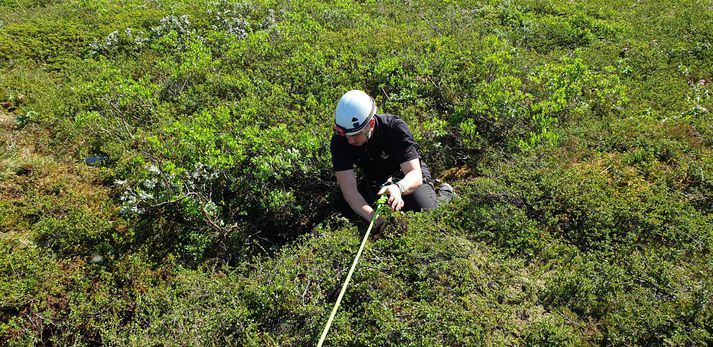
413, 179
347, 183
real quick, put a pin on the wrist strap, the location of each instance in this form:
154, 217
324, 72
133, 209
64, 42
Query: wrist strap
402, 189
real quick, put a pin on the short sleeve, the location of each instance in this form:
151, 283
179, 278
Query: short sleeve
342, 158
405, 147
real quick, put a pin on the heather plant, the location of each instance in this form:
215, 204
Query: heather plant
165, 177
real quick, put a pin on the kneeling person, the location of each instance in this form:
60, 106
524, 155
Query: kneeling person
382, 146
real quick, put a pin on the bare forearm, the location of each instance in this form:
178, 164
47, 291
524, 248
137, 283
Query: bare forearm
412, 181
359, 205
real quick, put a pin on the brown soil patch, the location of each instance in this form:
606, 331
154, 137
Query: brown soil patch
459, 173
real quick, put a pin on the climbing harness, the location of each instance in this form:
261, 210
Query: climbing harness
379, 205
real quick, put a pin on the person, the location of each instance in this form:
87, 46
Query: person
382, 146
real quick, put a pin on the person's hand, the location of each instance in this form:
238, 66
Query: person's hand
379, 225
395, 200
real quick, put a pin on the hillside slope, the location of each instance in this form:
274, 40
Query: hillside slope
165, 177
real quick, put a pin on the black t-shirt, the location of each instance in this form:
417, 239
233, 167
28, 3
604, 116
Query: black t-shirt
390, 145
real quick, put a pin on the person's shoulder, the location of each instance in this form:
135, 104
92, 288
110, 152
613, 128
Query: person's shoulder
388, 117
395, 123
391, 120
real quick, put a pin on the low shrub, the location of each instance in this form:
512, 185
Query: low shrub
580, 133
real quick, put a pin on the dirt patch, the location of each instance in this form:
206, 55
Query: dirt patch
7, 121
7, 124
8, 134
23, 142
459, 173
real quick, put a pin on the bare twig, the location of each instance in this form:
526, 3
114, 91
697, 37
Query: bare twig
385, 94
605, 170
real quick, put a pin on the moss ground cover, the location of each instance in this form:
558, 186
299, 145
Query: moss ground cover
165, 176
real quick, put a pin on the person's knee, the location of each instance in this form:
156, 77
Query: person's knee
422, 199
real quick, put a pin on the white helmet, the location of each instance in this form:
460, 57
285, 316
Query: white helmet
353, 113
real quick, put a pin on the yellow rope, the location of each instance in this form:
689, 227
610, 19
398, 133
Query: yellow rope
379, 203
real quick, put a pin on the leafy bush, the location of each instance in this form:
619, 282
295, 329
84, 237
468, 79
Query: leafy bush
578, 136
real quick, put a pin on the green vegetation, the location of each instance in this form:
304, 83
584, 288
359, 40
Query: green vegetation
165, 176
